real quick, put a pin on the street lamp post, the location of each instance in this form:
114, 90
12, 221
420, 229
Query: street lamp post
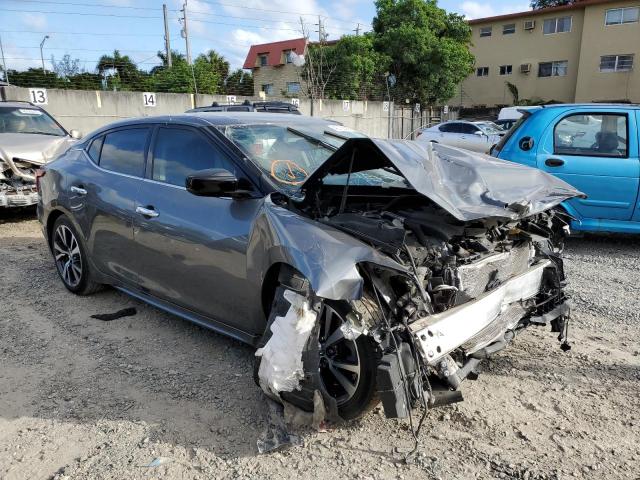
41, 54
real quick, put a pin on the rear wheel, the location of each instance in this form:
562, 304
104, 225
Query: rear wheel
70, 258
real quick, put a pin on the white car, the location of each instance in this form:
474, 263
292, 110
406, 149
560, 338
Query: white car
475, 136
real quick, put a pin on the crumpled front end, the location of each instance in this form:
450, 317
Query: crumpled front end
17, 183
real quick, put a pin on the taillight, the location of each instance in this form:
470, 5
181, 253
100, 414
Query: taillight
39, 174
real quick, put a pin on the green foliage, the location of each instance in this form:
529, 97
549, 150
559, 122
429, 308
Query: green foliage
239, 83
357, 72
426, 48
539, 4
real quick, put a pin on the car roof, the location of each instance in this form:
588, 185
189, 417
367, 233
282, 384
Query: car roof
631, 106
18, 104
205, 119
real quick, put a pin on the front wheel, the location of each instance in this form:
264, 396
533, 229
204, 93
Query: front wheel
343, 370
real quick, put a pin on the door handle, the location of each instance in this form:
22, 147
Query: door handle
554, 162
78, 190
147, 212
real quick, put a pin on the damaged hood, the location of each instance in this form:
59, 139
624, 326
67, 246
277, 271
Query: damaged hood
466, 184
35, 148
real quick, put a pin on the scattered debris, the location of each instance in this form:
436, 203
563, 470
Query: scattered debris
276, 436
107, 317
156, 462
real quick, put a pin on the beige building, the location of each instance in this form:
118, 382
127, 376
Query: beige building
585, 52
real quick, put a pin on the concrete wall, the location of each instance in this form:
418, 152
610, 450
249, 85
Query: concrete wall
88, 110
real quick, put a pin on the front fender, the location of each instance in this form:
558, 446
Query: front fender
327, 257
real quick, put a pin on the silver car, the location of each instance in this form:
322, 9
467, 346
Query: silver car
29, 137
361, 269
474, 136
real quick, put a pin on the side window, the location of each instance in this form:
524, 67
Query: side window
456, 128
468, 128
592, 135
94, 149
179, 152
445, 127
123, 151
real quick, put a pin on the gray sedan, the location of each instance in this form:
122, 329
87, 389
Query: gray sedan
361, 269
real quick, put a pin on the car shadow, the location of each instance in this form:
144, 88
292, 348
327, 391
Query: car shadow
16, 215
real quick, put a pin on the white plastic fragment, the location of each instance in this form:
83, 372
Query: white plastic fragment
281, 368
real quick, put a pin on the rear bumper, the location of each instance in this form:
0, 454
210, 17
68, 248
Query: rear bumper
479, 322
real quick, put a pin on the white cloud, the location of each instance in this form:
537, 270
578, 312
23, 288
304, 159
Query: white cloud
34, 20
480, 9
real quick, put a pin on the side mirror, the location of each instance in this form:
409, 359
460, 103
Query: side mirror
479, 132
215, 182
76, 134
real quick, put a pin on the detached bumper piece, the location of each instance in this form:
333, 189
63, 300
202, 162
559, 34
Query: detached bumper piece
480, 322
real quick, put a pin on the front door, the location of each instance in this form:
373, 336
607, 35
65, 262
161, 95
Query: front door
191, 250
597, 153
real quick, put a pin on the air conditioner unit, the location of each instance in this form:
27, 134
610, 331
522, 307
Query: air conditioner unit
525, 68
529, 24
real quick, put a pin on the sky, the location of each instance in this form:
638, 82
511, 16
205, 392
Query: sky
86, 29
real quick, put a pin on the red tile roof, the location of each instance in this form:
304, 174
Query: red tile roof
579, 4
274, 51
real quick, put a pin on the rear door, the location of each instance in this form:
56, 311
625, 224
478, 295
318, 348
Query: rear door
596, 152
102, 197
191, 250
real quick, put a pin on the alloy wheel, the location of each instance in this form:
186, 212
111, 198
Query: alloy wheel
67, 256
339, 358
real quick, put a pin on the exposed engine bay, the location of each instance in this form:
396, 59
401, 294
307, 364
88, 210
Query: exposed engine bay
454, 266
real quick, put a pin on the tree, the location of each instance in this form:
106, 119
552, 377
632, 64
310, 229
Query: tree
540, 4
218, 65
358, 73
426, 48
239, 83
66, 67
126, 77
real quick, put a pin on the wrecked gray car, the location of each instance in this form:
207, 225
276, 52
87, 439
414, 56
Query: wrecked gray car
362, 269
29, 137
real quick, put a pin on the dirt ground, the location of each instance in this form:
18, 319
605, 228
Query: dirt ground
86, 399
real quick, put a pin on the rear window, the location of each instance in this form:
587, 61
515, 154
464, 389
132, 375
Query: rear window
123, 151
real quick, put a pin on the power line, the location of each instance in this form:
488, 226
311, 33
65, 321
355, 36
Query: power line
77, 13
86, 33
101, 5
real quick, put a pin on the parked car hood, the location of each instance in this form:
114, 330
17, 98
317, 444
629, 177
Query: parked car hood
466, 184
35, 148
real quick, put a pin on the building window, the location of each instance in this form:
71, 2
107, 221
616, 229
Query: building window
267, 88
288, 56
619, 16
293, 87
506, 69
553, 69
485, 31
509, 29
482, 72
557, 25
616, 63
263, 60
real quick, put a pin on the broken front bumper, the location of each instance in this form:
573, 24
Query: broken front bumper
18, 199
479, 322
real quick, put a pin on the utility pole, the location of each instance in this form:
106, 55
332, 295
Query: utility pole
4, 65
357, 30
41, 54
185, 31
167, 41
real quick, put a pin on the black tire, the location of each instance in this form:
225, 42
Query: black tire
319, 372
70, 258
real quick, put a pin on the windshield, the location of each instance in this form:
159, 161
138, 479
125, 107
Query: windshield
28, 120
490, 128
289, 155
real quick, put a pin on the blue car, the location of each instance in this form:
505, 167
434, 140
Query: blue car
593, 147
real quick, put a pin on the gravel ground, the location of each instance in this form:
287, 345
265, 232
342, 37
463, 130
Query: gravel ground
86, 399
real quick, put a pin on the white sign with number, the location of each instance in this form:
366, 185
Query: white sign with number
149, 99
417, 108
445, 109
295, 101
231, 99
346, 105
38, 96
385, 106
